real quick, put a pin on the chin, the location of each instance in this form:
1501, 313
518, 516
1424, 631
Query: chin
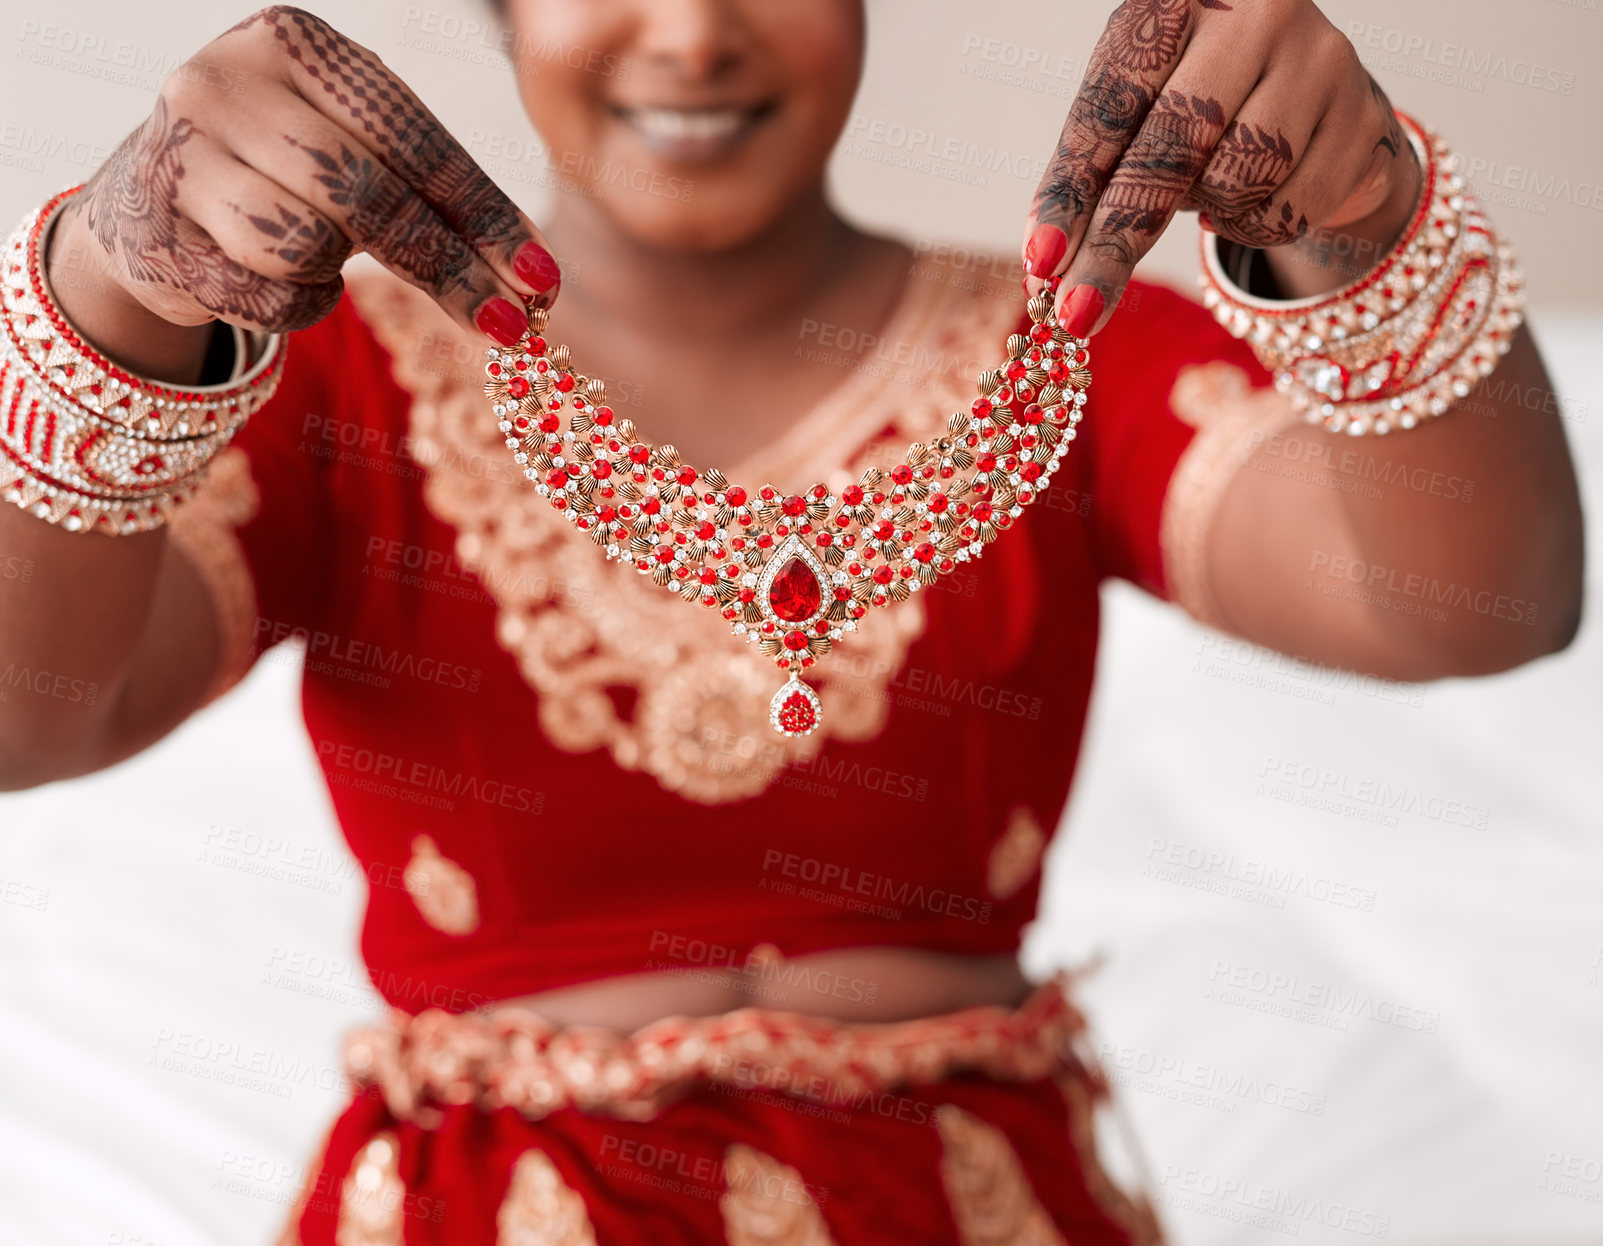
705, 221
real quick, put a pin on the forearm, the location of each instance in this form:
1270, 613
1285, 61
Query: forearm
72, 631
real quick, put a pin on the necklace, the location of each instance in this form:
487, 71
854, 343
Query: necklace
792, 573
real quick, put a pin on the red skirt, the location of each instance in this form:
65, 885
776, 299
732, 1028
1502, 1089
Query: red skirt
751, 1127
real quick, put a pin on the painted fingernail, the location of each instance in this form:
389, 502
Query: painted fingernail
533, 264
501, 320
1044, 249
1206, 221
1081, 310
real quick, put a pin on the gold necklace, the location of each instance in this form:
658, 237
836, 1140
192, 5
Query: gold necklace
794, 572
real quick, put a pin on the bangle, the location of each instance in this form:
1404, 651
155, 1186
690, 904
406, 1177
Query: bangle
1407, 340
84, 443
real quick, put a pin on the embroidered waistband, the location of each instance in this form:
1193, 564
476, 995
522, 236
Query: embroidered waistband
514, 1058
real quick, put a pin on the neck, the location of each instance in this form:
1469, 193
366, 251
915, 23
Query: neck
687, 295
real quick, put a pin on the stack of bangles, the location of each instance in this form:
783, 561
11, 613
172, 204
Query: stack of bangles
84, 443
1410, 338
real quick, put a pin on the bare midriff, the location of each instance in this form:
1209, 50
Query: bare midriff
859, 984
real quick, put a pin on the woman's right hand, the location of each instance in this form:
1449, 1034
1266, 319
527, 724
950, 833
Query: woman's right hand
241, 204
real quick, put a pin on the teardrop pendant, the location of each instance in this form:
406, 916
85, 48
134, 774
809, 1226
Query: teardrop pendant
795, 710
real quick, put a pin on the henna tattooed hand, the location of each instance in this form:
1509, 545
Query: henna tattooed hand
1256, 113
243, 206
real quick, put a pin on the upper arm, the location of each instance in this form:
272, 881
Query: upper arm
1445, 549
1448, 549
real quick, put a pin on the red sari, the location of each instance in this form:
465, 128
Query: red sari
553, 771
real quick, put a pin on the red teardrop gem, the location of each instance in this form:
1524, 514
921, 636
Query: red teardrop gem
796, 714
795, 593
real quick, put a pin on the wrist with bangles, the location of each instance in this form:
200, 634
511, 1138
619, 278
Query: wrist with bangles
1409, 338
84, 443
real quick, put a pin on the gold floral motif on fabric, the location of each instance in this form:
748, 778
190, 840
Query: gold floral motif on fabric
372, 1197
540, 1208
204, 532
992, 1201
443, 891
1231, 417
1016, 856
767, 1203
579, 626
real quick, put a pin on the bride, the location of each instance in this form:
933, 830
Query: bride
672, 959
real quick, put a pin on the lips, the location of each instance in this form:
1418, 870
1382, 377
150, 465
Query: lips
693, 133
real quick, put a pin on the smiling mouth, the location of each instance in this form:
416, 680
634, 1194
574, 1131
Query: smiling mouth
693, 133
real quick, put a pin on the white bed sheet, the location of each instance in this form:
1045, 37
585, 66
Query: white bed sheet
177, 950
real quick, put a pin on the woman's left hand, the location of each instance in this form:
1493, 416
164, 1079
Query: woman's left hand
1254, 112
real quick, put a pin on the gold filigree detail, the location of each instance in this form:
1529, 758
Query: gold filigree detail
990, 1196
204, 531
540, 1208
1132, 1213
443, 891
767, 1203
1231, 417
1016, 856
372, 1196
510, 1056
579, 626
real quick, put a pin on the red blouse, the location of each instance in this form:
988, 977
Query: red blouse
553, 771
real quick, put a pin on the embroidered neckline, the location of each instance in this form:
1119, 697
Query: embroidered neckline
579, 627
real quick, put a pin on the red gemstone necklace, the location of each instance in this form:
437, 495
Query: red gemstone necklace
794, 572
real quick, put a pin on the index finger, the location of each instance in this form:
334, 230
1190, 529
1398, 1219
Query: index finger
1137, 51
354, 89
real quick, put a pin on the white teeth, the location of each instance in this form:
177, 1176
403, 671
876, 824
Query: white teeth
674, 124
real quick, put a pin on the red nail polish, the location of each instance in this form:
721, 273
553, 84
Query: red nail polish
1081, 310
1206, 221
501, 320
1044, 249
533, 264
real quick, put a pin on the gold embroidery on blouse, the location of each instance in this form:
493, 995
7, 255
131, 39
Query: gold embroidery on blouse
1231, 416
443, 891
990, 1196
579, 626
540, 1208
1131, 1212
372, 1195
204, 531
767, 1203
1016, 855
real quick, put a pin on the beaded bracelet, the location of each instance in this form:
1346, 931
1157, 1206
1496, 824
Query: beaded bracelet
86, 444
1411, 337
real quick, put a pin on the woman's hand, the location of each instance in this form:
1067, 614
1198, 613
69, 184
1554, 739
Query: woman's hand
1256, 113
241, 205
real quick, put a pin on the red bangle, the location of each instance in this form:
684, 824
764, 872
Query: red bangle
85, 443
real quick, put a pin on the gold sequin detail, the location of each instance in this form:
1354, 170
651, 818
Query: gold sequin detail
1231, 418
443, 891
372, 1196
579, 626
767, 1203
1016, 855
991, 1198
540, 1208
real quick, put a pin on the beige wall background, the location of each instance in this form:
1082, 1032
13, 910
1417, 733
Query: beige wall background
961, 104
